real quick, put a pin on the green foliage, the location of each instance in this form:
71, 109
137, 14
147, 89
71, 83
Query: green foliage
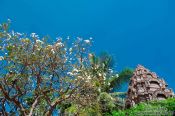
86, 111
107, 102
161, 108
107, 60
118, 80
169, 103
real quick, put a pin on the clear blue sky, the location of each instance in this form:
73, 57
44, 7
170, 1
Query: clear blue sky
133, 31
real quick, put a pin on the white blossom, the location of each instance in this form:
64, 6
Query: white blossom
59, 44
19, 34
39, 41
52, 50
75, 70
99, 74
34, 35
89, 77
99, 89
87, 81
8, 36
70, 73
1, 58
80, 77
111, 71
70, 49
104, 77
117, 75
50, 76
87, 41
104, 74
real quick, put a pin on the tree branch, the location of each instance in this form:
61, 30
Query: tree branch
33, 106
15, 101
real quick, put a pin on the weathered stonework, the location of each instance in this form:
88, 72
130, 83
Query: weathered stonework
145, 86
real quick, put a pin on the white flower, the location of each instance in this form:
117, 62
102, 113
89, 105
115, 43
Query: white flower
70, 73
75, 70
89, 77
99, 89
1, 58
39, 41
19, 34
34, 35
117, 75
80, 77
104, 78
111, 71
59, 44
87, 81
70, 49
99, 74
48, 47
87, 41
8, 36
52, 50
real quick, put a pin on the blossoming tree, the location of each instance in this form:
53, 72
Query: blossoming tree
39, 78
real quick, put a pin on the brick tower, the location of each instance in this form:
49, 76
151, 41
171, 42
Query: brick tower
145, 86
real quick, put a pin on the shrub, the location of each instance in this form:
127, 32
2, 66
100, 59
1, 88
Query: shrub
164, 107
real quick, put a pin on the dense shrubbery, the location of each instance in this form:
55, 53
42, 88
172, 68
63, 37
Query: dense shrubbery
159, 108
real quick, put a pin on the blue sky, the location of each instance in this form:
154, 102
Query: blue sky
133, 31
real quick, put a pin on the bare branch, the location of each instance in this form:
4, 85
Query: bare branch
33, 106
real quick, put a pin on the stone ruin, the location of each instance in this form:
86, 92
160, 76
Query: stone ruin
145, 86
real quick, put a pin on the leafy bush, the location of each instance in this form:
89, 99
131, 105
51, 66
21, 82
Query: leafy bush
107, 102
161, 108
